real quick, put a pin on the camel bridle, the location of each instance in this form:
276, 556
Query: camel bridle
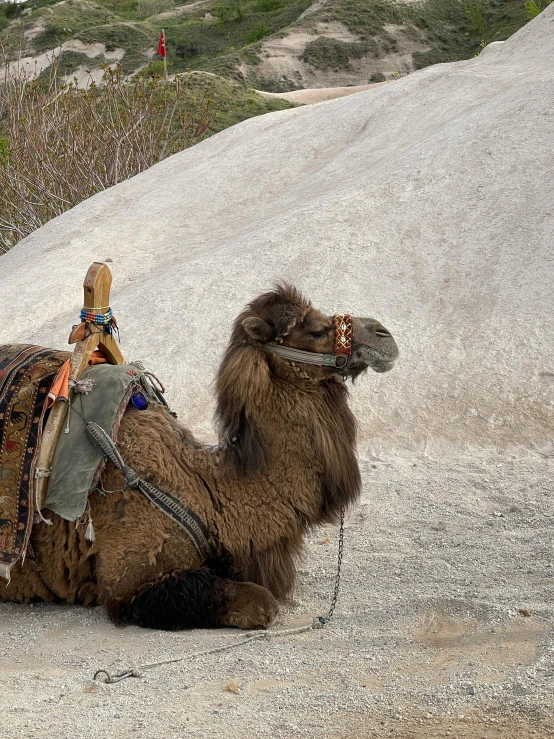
342, 324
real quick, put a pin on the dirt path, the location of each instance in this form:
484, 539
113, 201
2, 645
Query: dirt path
181, 9
318, 94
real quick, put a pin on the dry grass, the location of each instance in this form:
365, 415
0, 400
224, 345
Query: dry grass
60, 145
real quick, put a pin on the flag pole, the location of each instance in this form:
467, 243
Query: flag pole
165, 57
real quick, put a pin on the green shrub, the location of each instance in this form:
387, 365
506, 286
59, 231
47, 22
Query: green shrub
267, 6
533, 9
330, 53
325, 53
69, 61
53, 36
186, 50
257, 32
475, 14
155, 70
222, 12
377, 77
12, 10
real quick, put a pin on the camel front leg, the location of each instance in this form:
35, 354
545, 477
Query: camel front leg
197, 598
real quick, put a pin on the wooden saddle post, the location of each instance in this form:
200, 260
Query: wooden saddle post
88, 338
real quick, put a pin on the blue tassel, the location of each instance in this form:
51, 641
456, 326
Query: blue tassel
139, 400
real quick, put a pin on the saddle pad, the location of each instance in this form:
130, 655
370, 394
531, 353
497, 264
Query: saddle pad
27, 373
77, 463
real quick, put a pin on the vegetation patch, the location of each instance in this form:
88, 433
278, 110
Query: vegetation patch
267, 6
148, 8
135, 38
454, 29
216, 45
273, 84
65, 21
257, 32
12, 10
377, 77
68, 62
231, 103
330, 53
123, 9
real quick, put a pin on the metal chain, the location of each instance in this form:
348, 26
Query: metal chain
321, 621
339, 564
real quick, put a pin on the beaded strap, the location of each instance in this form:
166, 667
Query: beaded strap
343, 334
100, 319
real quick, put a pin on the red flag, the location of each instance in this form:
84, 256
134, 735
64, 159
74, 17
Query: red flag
161, 45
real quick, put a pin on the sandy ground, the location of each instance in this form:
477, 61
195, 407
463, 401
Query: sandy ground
443, 629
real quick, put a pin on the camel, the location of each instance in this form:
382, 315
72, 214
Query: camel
285, 462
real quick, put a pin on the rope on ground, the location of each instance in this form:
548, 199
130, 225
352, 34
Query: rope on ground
317, 623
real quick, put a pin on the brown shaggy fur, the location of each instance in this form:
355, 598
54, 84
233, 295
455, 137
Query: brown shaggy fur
286, 462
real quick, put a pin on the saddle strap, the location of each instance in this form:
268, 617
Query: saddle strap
168, 504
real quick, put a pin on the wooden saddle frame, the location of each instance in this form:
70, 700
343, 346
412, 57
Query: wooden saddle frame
96, 286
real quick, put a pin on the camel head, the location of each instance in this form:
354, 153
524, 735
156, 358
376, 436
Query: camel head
282, 322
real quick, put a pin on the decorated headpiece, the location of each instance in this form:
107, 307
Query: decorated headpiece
343, 334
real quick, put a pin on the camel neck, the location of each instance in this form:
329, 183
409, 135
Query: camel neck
304, 467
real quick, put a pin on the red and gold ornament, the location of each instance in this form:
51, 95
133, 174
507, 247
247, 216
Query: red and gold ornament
343, 334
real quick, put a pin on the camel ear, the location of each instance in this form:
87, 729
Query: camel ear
257, 328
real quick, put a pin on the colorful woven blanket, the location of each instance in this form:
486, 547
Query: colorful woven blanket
27, 374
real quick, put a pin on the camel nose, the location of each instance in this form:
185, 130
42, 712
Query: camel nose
373, 326
374, 340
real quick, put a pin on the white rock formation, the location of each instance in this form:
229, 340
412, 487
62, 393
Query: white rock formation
427, 203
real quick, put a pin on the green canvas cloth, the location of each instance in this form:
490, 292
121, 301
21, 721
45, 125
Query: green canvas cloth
77, 463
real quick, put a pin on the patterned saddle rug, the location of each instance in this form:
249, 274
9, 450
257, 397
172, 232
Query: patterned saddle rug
27, 374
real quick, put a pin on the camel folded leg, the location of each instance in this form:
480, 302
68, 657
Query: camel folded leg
198, 599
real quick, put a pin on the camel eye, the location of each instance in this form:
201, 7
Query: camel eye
319, 334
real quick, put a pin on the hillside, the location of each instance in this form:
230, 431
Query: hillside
274, 45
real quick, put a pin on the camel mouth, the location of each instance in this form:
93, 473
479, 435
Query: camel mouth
364, 357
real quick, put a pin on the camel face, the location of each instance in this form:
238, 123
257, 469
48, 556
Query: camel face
284, 317
372, 346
